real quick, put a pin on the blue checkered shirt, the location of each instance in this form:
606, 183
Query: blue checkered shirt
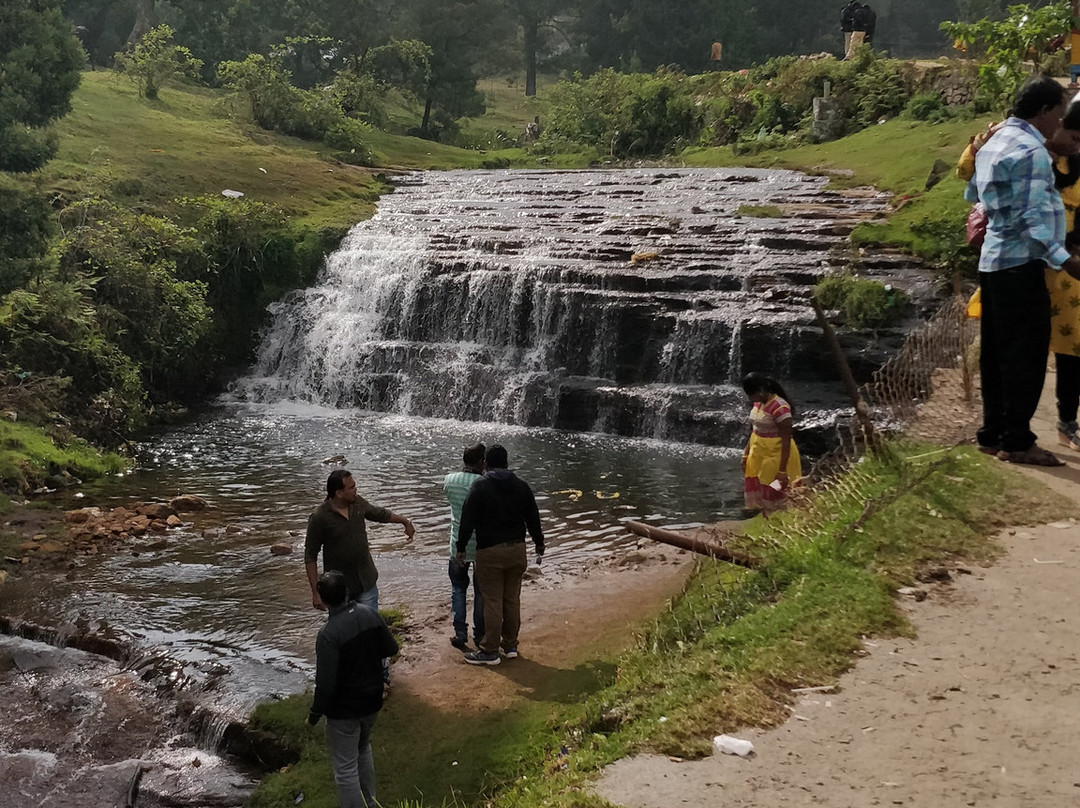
1014, 180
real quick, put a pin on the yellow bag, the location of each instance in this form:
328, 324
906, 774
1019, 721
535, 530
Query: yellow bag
974, 304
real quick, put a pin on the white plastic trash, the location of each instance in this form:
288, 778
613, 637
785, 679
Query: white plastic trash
732, 746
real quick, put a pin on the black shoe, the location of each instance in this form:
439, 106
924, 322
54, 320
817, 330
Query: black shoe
460, 643
482, 658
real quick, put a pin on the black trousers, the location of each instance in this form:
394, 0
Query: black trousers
1015, 341
1068, 385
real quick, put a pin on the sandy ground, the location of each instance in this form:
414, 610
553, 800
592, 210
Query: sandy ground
566, 620
981, 709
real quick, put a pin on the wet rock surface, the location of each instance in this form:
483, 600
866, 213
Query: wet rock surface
80, 729
626, 302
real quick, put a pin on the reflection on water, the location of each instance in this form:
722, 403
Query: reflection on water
224, 600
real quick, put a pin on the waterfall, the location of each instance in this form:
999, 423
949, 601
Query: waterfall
615, 301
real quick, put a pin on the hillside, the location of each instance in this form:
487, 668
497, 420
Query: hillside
144, 154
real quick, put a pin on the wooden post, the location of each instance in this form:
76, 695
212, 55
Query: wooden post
861, 411
676, 539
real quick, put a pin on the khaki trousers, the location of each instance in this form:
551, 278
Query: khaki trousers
857, 38
498, 575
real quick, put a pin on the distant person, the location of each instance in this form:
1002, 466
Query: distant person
532, 129
847, 21
500, 508
868, 22
456, 487
770, 461
338, 529
1025, 233
858, 30
716, 53
349, 687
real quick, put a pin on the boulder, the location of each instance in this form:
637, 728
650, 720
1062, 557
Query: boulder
281, 549
188, 502
155, 510
173, 521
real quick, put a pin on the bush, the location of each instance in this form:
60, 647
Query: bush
928, 106
156, 60
864, 303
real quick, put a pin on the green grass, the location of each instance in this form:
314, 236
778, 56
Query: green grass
896, 156
145, 154
26, 453
725, 655
761, 211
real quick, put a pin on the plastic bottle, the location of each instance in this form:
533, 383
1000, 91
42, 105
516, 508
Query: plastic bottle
732, 746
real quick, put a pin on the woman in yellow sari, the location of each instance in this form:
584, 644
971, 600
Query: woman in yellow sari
770, 462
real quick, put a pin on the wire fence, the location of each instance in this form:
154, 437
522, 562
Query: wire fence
927, 391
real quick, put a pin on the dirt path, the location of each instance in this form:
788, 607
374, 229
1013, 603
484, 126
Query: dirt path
981, 709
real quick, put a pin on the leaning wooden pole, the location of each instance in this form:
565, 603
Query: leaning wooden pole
693, 545
862, 412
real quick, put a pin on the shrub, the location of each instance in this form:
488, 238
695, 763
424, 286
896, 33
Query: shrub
863, 302
928, 106
155, 60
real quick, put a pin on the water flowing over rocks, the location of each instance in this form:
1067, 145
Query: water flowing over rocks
514, 297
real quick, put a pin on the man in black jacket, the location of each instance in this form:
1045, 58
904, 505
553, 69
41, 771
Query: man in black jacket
349, 687
863, 26
500, 507
847, 21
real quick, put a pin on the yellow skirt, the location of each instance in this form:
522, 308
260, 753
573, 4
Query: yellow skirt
762, 466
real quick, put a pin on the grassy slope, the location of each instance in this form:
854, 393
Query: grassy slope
145, 154
895, 156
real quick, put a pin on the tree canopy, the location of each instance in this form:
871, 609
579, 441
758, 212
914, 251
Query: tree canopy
40, 61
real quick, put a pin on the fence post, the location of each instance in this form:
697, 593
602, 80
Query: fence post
862, 412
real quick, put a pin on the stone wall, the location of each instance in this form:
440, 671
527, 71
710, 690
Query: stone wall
954, 79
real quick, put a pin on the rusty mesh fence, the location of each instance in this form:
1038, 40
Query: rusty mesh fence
927, 391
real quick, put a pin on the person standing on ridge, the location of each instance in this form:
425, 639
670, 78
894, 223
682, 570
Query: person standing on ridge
349, 687
858, 30
500, 507
456, 487
338, 529
847, 21
1025, 233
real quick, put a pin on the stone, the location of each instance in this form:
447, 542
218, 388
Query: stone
77, 517
188, 502
173, 521
155, 510
281, 549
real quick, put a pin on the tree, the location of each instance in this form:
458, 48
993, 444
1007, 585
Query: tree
155, 60
40, 60
1025, 34
464, 37
533, 17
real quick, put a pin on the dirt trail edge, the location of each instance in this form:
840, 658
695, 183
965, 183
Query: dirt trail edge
981, 709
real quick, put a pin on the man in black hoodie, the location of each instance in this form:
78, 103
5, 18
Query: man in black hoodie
349, 687
500, 507
847, 21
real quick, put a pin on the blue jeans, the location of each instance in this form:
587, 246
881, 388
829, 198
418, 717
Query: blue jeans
370, 598
459, 588
348, 740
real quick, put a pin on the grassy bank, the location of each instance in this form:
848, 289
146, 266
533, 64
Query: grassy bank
189, 142
727, 654
896, 156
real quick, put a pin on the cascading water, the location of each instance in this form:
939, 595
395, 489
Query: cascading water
626, 302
